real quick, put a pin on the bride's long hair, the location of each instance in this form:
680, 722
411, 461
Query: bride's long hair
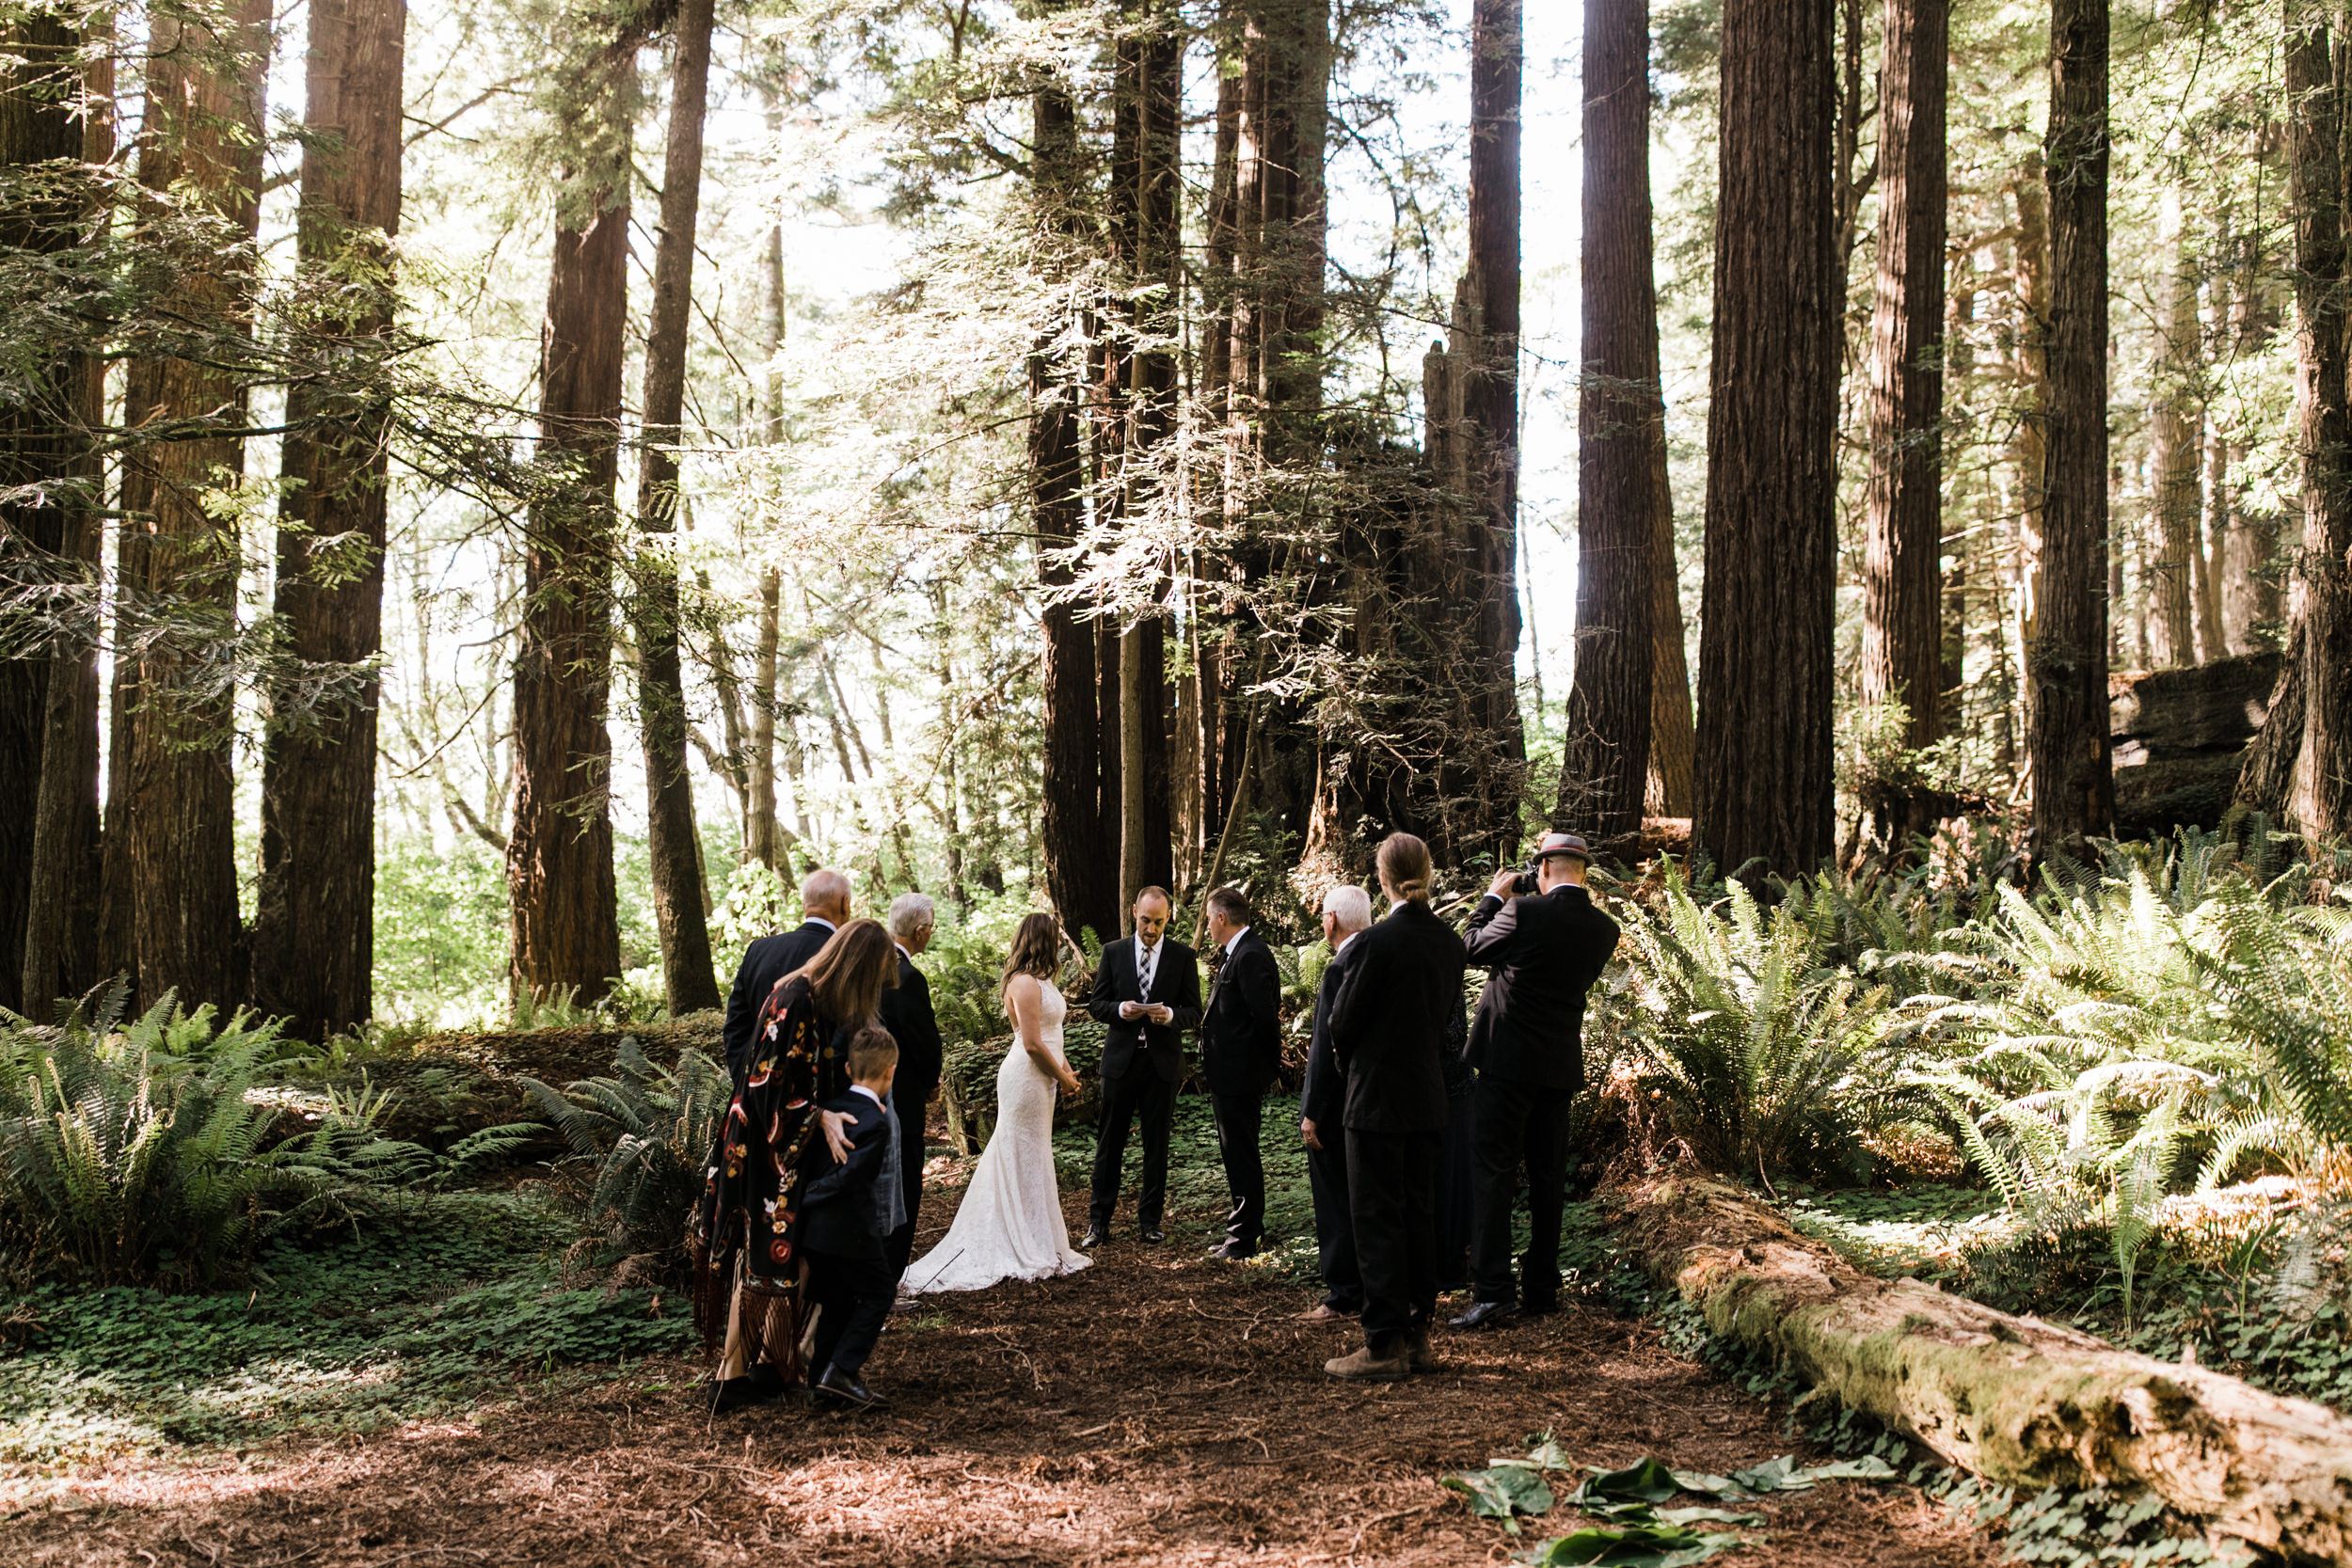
1036, 951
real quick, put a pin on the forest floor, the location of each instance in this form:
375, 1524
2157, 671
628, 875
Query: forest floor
1156, 1409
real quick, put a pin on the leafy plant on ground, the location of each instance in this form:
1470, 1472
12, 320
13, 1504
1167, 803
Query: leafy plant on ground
641, 1137
117, 1167
1760, 1049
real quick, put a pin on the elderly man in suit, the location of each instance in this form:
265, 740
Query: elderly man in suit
824, 907
1542, 953
906, 1012
1147, 993
1322, 1102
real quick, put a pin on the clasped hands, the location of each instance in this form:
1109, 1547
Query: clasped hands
1153, 1011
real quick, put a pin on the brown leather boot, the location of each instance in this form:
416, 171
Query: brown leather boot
1364, 1365
1418, 1356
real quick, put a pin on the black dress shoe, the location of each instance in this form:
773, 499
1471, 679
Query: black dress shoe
737, 1393
1091, 1240
1539, 1309
1482, 1314
838, 1388
1153, 1235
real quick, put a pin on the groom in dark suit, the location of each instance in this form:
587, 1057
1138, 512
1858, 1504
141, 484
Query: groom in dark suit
1241, 1047
1147, 993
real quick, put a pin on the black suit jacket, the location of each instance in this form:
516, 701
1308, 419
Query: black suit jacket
765, 962
1389, 1023
906, 1012
1241, 1029
1323, 1098
1175, 984
1542, 953
841, 1209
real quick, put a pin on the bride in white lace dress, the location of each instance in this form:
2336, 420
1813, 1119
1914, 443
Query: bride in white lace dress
1011, 1226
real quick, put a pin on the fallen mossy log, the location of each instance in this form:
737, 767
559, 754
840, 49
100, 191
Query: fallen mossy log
2014, 1399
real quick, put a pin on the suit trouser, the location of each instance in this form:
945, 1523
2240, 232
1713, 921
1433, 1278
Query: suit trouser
855, 1294
1393, 1179
900, 1246
1518, 1122
1238, 1118
1458, 1186
1335, 1228
1137, 1091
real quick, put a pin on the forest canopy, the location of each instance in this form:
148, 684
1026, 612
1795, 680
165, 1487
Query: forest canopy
495, 491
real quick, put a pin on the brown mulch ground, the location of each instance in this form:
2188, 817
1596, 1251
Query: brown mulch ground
1158, 1409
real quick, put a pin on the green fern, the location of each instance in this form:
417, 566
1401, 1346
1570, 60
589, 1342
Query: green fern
641, 1136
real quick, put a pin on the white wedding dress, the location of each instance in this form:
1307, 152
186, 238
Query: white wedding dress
1010, 1224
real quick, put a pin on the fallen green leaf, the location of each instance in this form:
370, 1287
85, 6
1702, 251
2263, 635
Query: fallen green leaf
1549, 1455
1647, 1482
1501, 1491
1785, 1473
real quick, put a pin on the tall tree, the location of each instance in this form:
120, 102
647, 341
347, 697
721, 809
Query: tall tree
48, 705
2176, 425
202, 136
315, 918
1081, 859
558, 857
674, 849
1763, 776
1902, 630
2321, 801
1491, 402
2066, 652
1672, 736
1145, 243
1605, 769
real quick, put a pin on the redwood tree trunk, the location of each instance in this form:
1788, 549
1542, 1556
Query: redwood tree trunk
2176, 430
559, 858
1080, 863
48, 705
314, 936
677, 863
1673, 739
203, 132
1902, 613
2321, 802
1763, 778
1491, 402
2066, 654
1605, 766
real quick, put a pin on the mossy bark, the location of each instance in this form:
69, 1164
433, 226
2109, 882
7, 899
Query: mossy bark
2014, 1399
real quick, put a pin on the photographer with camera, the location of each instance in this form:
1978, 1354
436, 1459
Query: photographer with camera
1542, 943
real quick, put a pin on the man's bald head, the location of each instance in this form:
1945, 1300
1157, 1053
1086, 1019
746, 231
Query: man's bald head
825, 895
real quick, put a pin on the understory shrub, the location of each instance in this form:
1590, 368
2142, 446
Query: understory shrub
638, 1139
144, 1154
1766, 1056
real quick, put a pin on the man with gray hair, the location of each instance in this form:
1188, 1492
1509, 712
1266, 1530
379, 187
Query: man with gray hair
1346, 911
906, 1012
824, 907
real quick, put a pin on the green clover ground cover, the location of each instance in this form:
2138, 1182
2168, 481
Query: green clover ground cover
457, 1297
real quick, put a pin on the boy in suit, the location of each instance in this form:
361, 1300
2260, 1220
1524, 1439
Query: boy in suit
848, 1212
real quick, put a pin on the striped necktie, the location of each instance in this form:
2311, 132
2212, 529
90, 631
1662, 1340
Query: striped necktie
1148, 963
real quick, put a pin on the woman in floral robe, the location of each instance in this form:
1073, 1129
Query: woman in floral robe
746, 1265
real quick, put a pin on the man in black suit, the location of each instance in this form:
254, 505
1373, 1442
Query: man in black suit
1322, 1103
1147, 993
906, 1012
1241, 1048
824, 906
1542, 952
849, 1209
1388, 1030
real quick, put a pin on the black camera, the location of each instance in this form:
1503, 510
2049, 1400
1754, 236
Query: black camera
1524, 884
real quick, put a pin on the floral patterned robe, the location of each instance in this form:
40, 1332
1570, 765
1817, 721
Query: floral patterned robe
752, 1179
